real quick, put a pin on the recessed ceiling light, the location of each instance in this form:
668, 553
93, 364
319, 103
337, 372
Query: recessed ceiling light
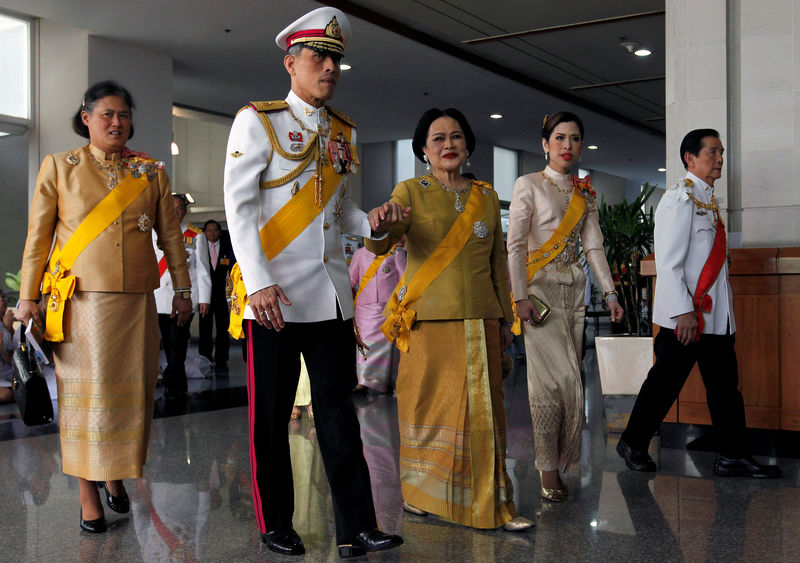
642, 52
496, 116
345, 66
662, 169
592, 147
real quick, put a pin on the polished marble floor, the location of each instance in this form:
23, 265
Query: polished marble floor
194, 502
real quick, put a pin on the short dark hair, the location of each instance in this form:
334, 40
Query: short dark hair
183, 198
693, 142
550, 122
209, 222
424, 124
297, 48
97, 92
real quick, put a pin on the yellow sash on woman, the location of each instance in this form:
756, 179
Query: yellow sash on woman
290, 220
55, 281
554, 245
398, 323
370, 273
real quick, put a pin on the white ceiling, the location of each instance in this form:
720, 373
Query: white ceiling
407, 56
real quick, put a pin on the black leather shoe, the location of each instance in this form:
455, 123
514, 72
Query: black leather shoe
121, 504
635, 459
371, 540
285, 541
97, 526
745, 467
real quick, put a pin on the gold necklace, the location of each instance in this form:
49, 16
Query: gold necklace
566, 193
459, 205
111, 169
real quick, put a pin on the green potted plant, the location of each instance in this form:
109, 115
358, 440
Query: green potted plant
625, 358
13, 282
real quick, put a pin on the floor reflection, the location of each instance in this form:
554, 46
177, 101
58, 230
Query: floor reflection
195, 500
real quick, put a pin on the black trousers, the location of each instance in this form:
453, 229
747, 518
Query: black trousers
273, 368
716, 358
175, 340
217, 317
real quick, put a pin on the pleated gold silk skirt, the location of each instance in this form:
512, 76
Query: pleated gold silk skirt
452, 423
106, 370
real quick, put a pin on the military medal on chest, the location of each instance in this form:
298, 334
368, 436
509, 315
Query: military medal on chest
296, 138
339, 151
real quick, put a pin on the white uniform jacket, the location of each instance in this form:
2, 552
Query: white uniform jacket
311, 270
683, 241
203, 268
165, 291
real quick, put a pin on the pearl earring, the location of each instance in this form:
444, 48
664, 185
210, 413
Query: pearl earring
467, 163
427, 163
547, 157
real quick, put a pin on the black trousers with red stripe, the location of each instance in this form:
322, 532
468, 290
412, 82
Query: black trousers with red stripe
273, 368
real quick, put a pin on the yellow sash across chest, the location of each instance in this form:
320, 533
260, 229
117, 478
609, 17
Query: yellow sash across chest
56, 282
399, 318
554, 245
291, 219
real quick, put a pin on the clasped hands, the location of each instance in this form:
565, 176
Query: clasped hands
384, 216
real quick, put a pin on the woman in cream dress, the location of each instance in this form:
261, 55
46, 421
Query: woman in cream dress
553, 349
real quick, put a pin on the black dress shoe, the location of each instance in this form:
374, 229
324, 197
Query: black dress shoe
637, 460
121, 504
371, 540
745, 467
97, 526
285, 541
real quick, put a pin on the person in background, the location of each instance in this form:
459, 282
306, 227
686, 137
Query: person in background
6, 349
214, 261
373, 279
98, 287
174, 336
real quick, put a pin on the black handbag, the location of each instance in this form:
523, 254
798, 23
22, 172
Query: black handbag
30, 386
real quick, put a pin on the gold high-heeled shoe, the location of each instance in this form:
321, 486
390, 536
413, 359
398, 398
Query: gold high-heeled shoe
559, 494
518, 524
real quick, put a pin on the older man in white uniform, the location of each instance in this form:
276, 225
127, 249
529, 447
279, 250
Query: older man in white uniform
694, 308
286, 200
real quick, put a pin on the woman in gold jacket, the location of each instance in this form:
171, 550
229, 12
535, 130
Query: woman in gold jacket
449, 384
106, 344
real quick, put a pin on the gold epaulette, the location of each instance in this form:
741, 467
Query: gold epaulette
343, 116
195, 230
269, 106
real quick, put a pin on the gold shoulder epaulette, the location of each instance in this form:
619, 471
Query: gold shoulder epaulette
195, 230
688, 183
268, 106
343, 116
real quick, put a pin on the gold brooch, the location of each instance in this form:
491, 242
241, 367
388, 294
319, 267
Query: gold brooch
308, 112
237, 154
145, 223
72, 159
295, 188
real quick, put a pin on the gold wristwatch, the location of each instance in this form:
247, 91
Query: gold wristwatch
183, 293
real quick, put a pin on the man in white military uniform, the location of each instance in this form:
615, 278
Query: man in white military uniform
286, 201
175, 337
694, 308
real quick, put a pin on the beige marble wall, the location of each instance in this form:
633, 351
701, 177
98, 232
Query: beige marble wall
735, 66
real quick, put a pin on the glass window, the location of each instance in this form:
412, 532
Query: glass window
505, 172
404, 161
15, 67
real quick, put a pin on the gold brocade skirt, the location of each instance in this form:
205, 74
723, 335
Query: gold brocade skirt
106, 370
452, 423
553, 352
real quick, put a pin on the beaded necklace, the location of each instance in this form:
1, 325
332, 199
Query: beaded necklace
111, 169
